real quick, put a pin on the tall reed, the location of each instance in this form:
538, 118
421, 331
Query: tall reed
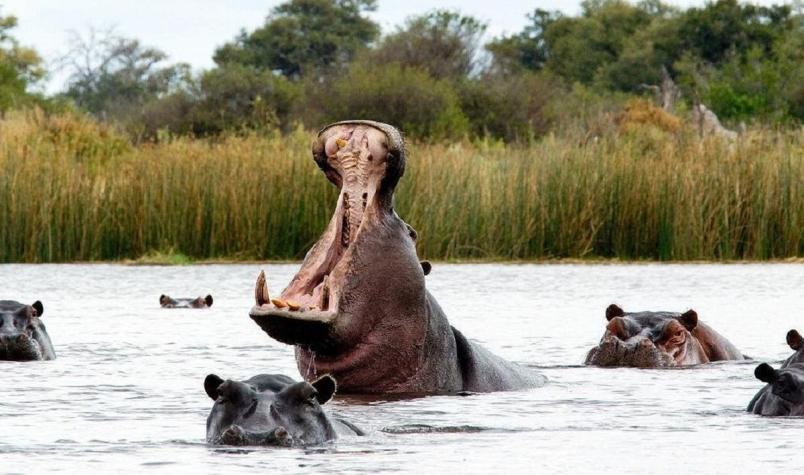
71, 189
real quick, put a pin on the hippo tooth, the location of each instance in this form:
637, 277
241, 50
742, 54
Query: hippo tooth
324, 303
279, 303
341, 143
293, 305
261, 290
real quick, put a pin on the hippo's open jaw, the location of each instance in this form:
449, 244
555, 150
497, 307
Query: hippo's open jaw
365, 160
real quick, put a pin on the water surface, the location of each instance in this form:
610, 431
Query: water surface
126, 392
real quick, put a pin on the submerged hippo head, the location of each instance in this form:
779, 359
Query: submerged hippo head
658, 339
359, 282
269, 410
786, 383
796, 343
167, 301
23, 336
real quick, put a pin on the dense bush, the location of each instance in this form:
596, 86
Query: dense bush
423, 107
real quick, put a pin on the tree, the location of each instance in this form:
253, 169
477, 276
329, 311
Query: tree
526, 50
443, 43
110, 76
420, 105
303, 36
714, 31
20, 67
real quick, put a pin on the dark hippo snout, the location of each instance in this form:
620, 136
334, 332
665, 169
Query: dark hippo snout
19, 347
271, 410
23, 336
638, 351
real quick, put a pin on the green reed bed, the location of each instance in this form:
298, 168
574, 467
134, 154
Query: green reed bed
73, 190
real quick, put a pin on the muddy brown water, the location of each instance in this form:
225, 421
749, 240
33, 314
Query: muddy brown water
126, 394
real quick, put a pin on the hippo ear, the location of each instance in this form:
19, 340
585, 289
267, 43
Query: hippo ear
795, 340
211, 383
40, 309
208, 300
689, 319
766, 373
426, 267
326, 387
614, 311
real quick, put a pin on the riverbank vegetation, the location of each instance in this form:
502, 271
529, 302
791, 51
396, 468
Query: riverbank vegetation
73, 189
588, 136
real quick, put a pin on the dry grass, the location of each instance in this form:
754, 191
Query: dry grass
73, 190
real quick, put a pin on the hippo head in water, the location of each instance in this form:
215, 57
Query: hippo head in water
271, 409
796, 343
358, 307
167, 301
658, 339
784, 393
778, 397
23, 336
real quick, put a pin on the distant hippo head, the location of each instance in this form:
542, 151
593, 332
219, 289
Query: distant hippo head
658, 339
269, 410
796, 343
23, 336
167, 301
786, 383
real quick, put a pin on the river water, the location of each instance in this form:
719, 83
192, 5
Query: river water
126, 392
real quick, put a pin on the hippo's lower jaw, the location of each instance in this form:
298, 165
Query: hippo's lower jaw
20, 348
296, 327
612, 352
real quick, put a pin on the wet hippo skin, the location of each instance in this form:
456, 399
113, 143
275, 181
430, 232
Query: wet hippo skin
272, 410
166, 301
657, 340
782, 394
23, 336
358, 307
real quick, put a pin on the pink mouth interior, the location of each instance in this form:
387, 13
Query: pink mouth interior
357, 153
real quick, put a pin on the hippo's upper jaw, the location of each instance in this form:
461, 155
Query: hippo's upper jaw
323, 304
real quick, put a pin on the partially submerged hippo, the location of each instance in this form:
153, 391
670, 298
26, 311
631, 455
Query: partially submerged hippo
784, 393
658, 339
358, 307
167, 301
23, 336
779, 397
272, 409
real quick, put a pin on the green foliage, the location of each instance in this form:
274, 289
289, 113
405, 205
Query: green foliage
20, 67
113, 77
637, 195
508, 107
303, 37
578, 47
443, 43
526, 50
420, 105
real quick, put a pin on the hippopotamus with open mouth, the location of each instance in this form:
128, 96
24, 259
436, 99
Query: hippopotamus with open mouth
199, 302
784, 393
23, 336
657, 340
358, 307
272, 409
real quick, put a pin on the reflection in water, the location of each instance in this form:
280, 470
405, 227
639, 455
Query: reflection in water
126, 392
